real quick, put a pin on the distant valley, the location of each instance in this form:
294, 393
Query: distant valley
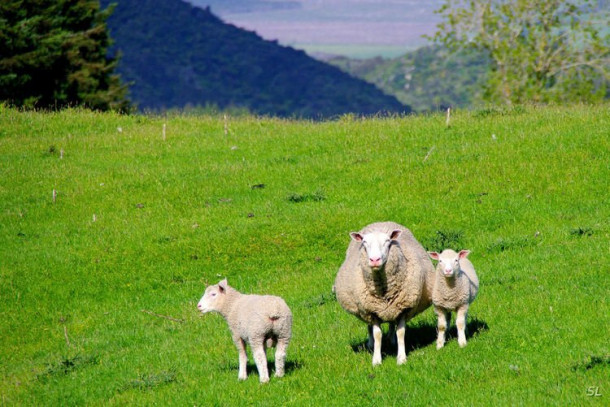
352, 28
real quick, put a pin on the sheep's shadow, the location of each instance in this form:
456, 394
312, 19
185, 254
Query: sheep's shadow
290, 366
420, 336
251, 369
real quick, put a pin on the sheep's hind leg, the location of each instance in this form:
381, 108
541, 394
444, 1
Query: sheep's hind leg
371, 341
260, 358
280, 356
392, 333
460, 321
401, 356
377, 344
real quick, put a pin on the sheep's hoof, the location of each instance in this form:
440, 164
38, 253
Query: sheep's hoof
242, 377
401, 360
462, 343
264, 380
440, 345
376, 361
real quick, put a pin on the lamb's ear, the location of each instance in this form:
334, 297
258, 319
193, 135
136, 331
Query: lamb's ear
356, 236
434, 255
463, 254
395, 234
223, 285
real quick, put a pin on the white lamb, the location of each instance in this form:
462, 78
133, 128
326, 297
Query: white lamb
260, 320
386, 277
455, 287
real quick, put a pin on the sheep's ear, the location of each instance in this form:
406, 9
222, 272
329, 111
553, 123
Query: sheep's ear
434, 255
356, 236
395, 234
223, 285
463, 254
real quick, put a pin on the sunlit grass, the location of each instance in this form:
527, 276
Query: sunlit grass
98, 289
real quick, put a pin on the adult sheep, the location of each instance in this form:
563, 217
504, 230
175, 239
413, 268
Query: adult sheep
387, 276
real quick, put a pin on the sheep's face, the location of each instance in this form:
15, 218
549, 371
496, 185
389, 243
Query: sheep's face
213, 298
449, 261
376, 245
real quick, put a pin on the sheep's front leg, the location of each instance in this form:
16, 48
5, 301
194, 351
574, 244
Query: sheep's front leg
377, 344
460, 321
280, 356
260, 358
441, 315
243, 358
401, 356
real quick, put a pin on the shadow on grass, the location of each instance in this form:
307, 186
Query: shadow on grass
290, 366
473, 327
591, 362
420, 336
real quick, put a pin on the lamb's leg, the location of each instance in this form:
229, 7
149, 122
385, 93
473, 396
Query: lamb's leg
280, 356
377, 344
460, 321
243, 358
441, 315
401, 356
260, 358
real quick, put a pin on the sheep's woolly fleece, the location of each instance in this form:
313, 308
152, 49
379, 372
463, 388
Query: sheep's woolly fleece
402, 288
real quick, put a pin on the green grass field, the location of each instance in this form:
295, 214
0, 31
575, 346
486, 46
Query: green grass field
99, 286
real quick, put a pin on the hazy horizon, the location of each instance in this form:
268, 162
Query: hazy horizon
344, 27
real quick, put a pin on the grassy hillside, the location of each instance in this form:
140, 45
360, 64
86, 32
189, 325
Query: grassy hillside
98, 287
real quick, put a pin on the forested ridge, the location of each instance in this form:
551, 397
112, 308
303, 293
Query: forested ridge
175, 55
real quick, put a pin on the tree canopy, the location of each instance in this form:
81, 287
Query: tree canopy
53, 54
540, 50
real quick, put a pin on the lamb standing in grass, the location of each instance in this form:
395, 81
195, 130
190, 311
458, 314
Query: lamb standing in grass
386, 277
260, 320
455, 287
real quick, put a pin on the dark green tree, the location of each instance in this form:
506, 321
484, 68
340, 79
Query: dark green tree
53, 54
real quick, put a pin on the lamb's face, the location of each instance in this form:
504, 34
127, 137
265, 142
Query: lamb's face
377, 246
449, 261
212, 298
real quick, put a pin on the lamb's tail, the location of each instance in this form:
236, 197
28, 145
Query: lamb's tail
275, 315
